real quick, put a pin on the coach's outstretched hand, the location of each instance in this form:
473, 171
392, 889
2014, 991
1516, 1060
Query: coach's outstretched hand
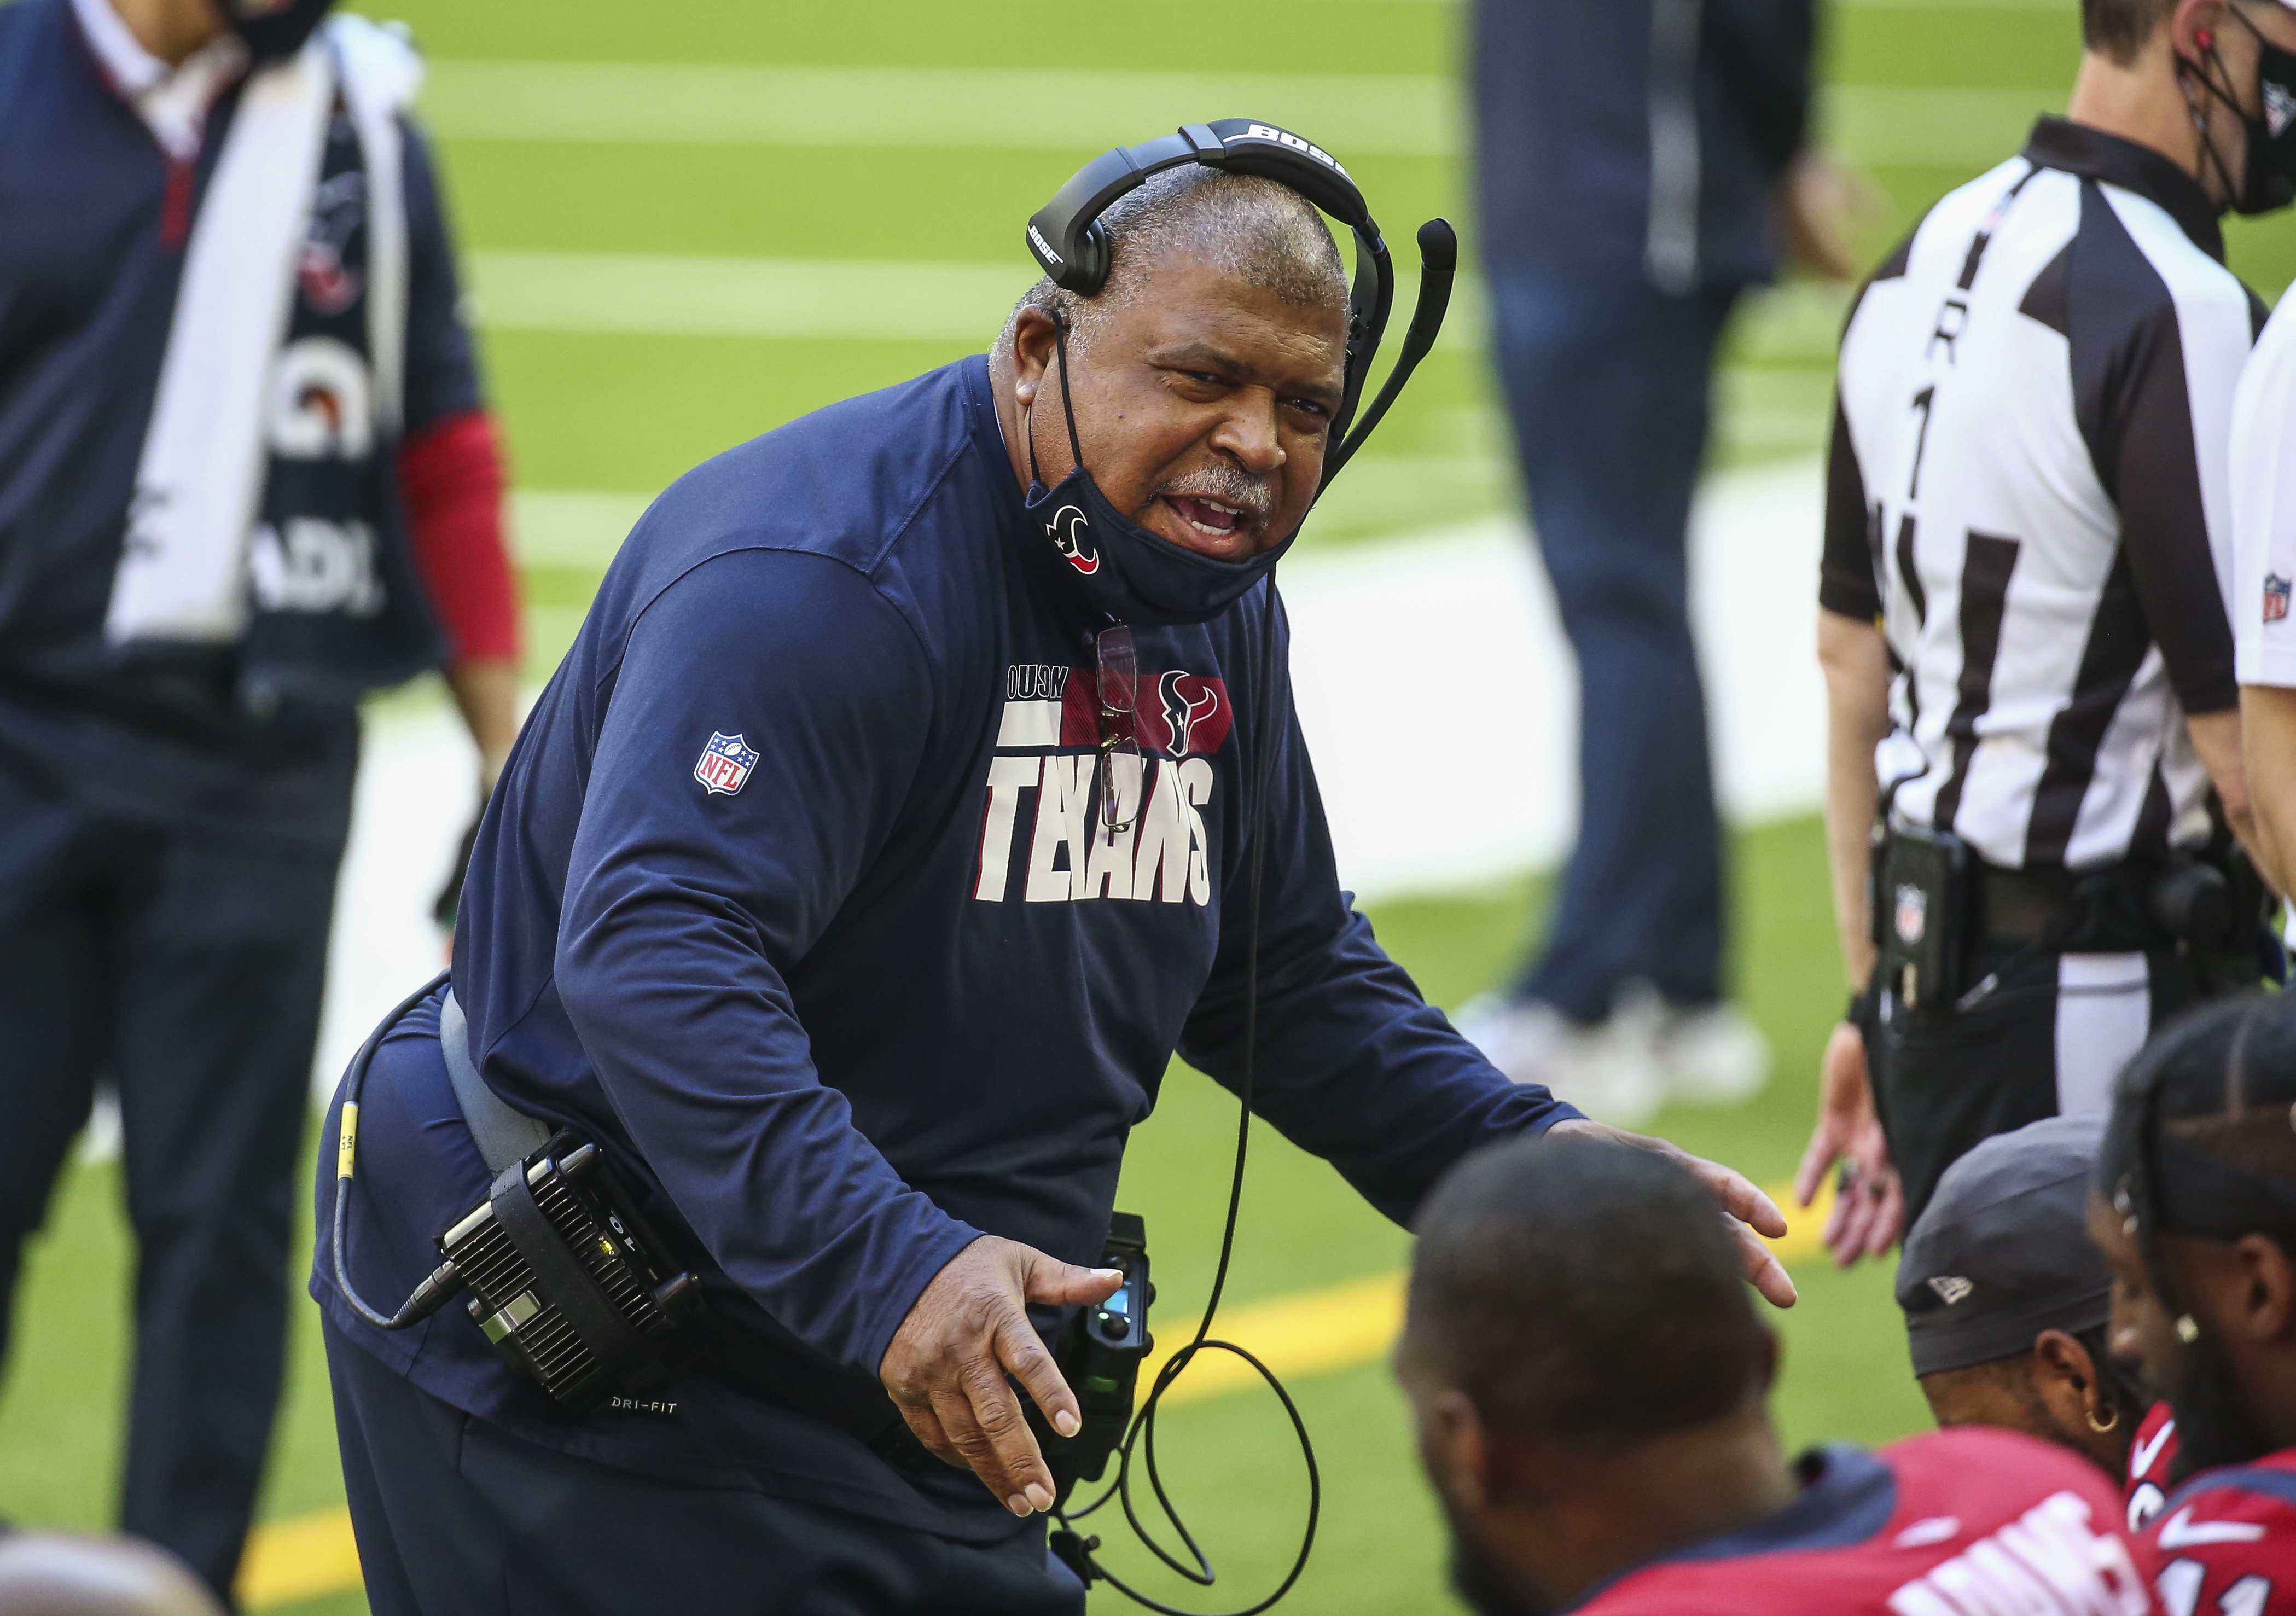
946, 1368
1748, 1210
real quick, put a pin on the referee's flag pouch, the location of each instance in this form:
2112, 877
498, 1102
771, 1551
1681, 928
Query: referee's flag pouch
1922, 919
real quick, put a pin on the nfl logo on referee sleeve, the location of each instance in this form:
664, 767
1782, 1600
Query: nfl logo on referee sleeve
726, 764
2275, 597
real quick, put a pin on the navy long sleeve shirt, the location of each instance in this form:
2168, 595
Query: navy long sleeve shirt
796, 895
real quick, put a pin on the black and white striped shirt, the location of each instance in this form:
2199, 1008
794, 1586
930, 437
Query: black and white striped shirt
2028, 488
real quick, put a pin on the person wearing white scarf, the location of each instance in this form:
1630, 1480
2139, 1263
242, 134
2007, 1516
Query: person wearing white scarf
246, 474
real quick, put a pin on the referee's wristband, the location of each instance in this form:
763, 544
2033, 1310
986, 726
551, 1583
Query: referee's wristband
1863, 1010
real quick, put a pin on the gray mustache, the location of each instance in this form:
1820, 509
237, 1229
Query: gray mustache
1231, 485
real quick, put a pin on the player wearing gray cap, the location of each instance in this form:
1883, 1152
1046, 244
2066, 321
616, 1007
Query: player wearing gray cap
2006, 1299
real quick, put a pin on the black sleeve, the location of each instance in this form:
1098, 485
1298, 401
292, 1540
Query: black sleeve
1846, 580
1764, 49
2143, 451
442, 372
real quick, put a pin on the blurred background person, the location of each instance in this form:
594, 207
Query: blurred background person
48, 1574
2027, 655
2194, 1208
1638, 163
246, 476
1591, 1387
2005, 1298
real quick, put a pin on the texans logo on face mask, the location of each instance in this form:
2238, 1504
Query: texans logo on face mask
1066, 531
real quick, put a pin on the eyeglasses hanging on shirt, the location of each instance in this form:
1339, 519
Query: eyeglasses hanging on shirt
1118, 684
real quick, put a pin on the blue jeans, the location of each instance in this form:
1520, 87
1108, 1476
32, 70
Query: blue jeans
1608, 383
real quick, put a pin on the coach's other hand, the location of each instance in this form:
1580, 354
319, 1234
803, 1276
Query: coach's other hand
947, 1367
1749, 1211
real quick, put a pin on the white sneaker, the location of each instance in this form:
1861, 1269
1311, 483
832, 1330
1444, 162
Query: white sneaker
1609, 1071
1710, 1054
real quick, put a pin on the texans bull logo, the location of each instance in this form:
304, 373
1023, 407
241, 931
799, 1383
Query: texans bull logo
1187, 701
1069, 530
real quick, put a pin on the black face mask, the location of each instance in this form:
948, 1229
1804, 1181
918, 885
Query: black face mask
1134, 575
274, 29
2268, 180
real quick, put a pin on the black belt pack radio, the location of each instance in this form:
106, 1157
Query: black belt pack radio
565, 1280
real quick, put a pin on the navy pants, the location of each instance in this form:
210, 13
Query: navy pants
456, 1518
187, 971
1608, 384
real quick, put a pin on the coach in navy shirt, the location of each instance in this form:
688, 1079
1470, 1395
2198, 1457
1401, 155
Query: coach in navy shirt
227, 325
847, 890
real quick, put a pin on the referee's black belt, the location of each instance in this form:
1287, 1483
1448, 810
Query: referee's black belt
2102, 911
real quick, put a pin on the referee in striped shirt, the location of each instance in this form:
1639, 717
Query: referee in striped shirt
2026, 647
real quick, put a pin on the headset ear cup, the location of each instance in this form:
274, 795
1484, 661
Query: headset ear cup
1092, 261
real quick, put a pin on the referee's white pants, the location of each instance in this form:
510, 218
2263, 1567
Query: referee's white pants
2104, 1014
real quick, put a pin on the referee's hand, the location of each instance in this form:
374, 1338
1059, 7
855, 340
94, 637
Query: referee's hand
947, 1367
1869, 1210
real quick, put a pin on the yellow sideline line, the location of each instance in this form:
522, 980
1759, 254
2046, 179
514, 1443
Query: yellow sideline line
1310, 1334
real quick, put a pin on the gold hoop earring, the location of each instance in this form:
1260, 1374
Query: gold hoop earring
2109, 1425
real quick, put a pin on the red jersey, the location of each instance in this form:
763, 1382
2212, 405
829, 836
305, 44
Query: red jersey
2149, 1458
1968, 1522
2225, 1543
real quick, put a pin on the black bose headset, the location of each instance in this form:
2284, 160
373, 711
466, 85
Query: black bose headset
1067, 238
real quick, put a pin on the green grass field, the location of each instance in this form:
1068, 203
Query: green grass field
582, 226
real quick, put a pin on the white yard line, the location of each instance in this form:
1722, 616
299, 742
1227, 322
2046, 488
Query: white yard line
693, 295
663, 294
940, 108
1432, 681
1363, 114
1439, 698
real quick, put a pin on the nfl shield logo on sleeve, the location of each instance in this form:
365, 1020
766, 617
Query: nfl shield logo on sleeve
726, 764
2275, 597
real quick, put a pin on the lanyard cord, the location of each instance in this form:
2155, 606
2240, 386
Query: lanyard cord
1141, 1438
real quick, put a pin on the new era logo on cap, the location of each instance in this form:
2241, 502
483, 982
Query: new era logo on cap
1953, 1287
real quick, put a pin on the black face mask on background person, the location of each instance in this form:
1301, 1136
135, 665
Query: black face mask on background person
2268, 179
1135, 576
274, 29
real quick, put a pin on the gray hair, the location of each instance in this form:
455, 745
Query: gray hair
1260, 231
